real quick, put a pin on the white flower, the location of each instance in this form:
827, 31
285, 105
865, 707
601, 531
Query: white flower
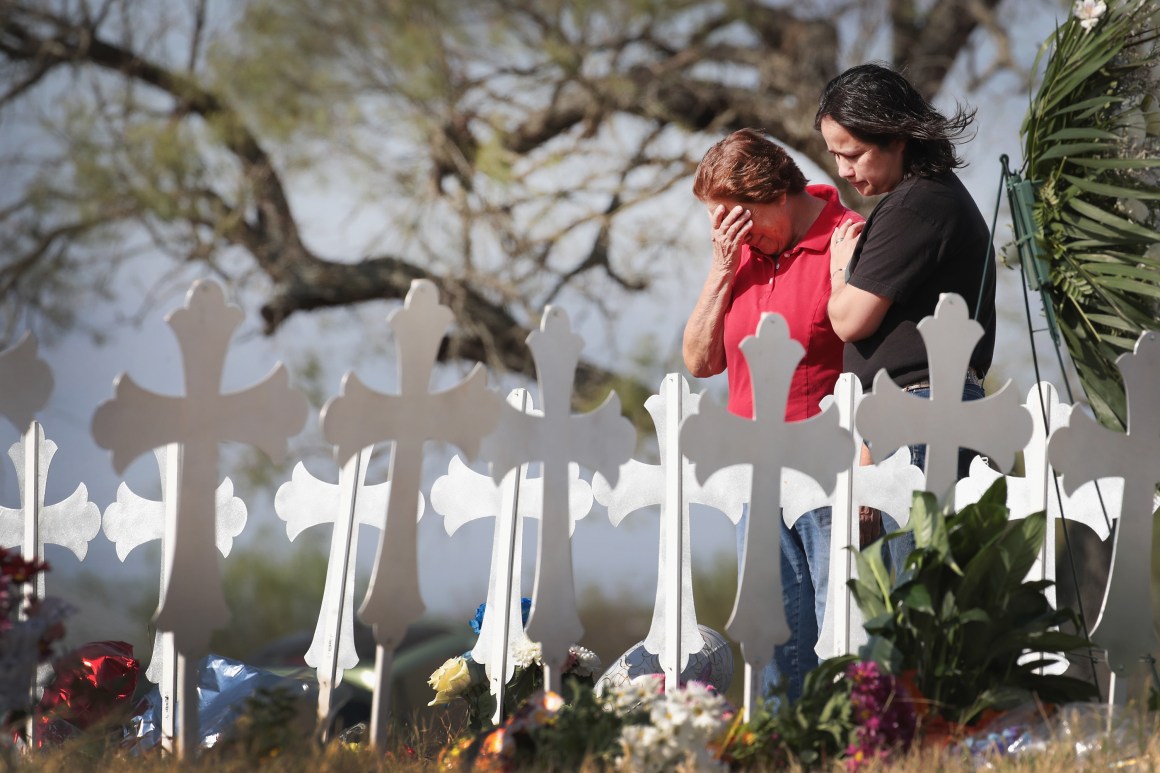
637, 694
646, 749
450, 680
669, 713
1088, 12
582, 661
681, 726
526, 652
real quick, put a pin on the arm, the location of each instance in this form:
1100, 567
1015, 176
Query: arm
703, 346
854, 312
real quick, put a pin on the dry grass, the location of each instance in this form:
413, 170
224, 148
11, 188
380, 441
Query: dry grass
1081, 743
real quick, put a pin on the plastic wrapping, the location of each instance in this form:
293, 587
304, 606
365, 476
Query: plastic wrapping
94, 682
1093, 731
223, 685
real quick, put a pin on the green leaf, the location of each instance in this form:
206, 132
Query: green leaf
976, 615
1066, 149
1117, 163
1022, 544
916, 597
1106, 189
927, 522
996, 494
1131, 285
873, 591
1080, 133
1115, 221
1056, 641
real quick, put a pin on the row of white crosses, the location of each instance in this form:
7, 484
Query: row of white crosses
824, 447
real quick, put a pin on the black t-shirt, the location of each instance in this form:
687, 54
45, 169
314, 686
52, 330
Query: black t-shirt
925, 238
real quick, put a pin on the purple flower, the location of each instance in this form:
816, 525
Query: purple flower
884, 721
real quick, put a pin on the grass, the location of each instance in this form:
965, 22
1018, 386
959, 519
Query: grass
1078, 739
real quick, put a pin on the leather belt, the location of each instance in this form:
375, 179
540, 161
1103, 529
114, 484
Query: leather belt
973, 377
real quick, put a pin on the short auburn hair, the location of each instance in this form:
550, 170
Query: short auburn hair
749, 168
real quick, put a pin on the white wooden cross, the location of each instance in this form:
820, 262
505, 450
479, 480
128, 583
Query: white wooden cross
1083, 451
136, 421
673, 635
997, 425
1095, 504
887, 487
361, 417
463, 495
601, 441
306, 501
133, 520
71, 523
819, 447
25, 383
25, 386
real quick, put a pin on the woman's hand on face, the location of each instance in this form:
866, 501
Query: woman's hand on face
842, 244
730, 230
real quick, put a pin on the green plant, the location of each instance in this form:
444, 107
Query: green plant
811, 731
1090, 146
583, 729
959, 618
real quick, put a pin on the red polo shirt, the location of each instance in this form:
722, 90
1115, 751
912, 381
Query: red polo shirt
796, 285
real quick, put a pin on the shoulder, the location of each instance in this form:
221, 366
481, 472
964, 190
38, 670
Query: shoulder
835, 211
923, 201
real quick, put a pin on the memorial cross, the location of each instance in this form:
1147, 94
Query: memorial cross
887, 487
71, 523
996, 425
133, 520
600, 440
305, 501
136, 420
1095, 504
464, 495
673, 635
1084, 451
819, 447
360, 417
25, 383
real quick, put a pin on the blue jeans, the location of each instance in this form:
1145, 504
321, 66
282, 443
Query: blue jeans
805, 570
805, 562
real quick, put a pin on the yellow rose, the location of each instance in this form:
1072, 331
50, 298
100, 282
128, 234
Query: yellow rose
449, 680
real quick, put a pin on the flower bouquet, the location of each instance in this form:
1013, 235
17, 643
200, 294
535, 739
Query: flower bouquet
634, 727
461, 677
849, 709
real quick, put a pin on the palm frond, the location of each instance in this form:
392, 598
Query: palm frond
1091, 137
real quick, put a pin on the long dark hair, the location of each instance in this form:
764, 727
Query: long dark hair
878, 105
